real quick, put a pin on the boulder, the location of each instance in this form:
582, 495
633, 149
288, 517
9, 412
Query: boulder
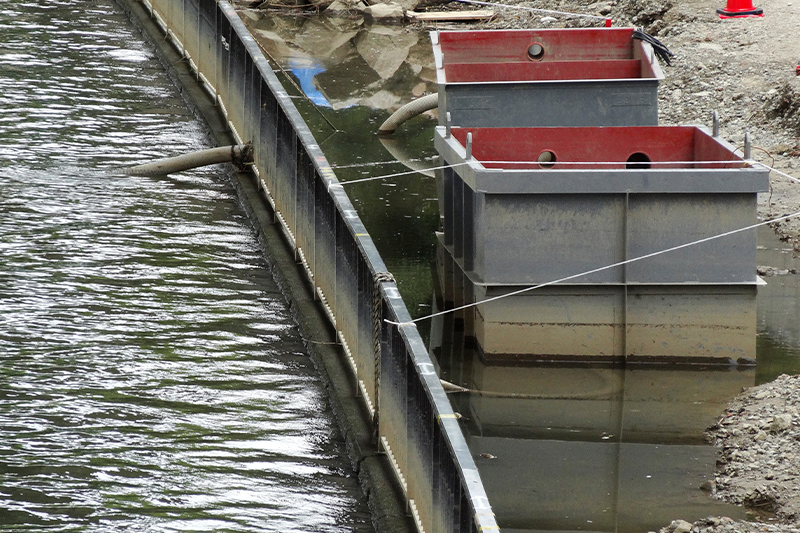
385, 12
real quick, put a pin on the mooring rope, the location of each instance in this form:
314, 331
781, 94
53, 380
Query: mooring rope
396, 174
380, 163
775, 170
599, 269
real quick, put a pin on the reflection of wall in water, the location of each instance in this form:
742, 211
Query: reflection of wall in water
583, 447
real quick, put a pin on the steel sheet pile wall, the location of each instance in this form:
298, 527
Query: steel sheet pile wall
416, 424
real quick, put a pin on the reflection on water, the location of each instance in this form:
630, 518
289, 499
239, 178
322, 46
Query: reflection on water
151, 378
368, 71
598, 448
584, 447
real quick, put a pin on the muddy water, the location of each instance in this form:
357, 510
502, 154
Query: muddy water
151, 377
575, 449
778, 341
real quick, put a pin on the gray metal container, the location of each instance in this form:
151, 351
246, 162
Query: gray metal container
563, 77
534, 205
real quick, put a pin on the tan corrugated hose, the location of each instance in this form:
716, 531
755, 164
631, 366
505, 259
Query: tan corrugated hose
410, 110
238, 154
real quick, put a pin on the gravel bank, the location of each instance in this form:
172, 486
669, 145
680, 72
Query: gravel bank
759, 468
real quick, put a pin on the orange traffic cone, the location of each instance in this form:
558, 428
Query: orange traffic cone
740, 9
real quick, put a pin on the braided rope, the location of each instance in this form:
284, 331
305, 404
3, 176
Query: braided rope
377, 328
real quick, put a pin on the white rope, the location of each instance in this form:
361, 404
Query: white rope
349, 182
380, 163
775, 170
525, 8
639, 164
536, 163
600, 269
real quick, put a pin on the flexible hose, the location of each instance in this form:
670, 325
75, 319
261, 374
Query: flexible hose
238, 154
410, 110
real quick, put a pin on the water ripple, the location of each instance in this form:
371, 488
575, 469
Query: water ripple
152, 378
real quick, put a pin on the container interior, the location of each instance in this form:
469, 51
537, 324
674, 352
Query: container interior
641, 147
542, 55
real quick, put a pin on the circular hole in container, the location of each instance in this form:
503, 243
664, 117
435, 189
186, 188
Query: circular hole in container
536, 51
638, 160
547, 159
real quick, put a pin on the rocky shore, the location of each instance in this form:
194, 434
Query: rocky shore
759, 466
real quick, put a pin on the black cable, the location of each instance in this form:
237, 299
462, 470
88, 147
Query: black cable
661, 51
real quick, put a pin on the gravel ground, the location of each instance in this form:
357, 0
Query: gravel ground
759, 467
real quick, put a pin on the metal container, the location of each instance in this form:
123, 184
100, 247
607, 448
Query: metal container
534, 205
563, 77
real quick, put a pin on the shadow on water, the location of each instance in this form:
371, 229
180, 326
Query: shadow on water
559, 448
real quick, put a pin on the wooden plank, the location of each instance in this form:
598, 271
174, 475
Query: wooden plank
442, 16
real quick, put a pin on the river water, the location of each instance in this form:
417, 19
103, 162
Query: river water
151, 377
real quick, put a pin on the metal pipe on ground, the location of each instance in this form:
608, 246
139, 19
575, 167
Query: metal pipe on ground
239, 154
408, 111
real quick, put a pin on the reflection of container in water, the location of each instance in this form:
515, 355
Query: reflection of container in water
583, 447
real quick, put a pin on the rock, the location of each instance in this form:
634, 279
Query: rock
419, 89
680, 526
373, 46
344, 8
708, 486
382, 100
781, 422
250, 14
388, 11
321, 38
601, 8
